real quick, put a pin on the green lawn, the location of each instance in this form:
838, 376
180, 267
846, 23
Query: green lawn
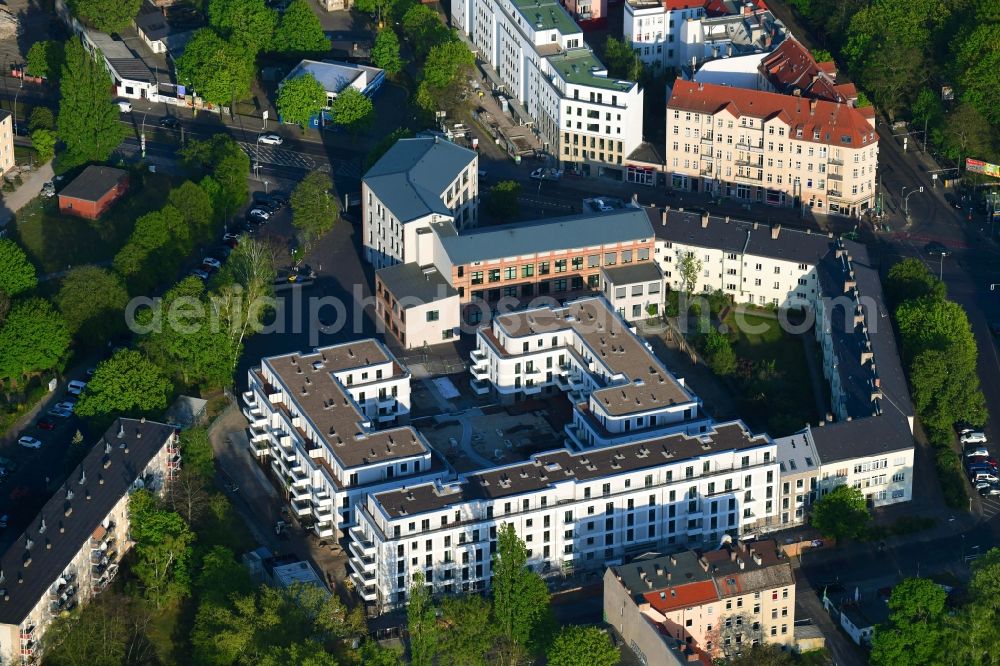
788, 398
55, 242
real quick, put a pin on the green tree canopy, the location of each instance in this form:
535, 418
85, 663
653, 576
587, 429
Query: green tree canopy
946, 392
916, 629
41, 117
33, 338
220, 575
300, 99
469, 632
106, 15
197, 451
910, 279
299, 31
576, 646
979, 59
352, 109
249, 23
44, 143
314, 206
421, 623
216, 70
109, 630
842, 513
385, 52
195, 204
163, 548
621, 60
502, 201
126, 384
934, 323
444, 75
719, 353
93, 299
231, 173
17, 274
45, 59
520, 596
88, 118
690, 270
424, 29
821, 55
763, 655
966, 133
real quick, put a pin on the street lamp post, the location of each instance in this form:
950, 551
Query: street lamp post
19, 86
906, 201
142, 135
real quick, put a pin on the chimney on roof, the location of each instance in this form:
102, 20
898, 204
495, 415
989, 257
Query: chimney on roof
756, 557
703, 562
812, 107
673, 561
866, 355
732, 556
775, 230
704, 220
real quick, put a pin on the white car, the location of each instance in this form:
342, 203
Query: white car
124, 107
75, 387
270, 139
66, 405
977, 451
259, 213
30, 442
212, 263
973, 437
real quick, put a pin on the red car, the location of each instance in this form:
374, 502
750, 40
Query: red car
973, 460
46, 424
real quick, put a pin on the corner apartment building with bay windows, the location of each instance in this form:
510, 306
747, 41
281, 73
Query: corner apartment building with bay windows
782, 150
585, 118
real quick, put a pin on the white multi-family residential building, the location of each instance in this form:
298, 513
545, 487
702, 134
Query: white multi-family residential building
620, 391
70, 551
573, 510
589, 121
328, 421
636, 291
653, 28
782, 150
417, 182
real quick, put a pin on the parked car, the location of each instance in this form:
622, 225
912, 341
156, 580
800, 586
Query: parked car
972, 460
30, 442
987, 489
231, 237
49, 189
976, 469
124, 106
270, 139
68, 405
212, 263
60, 412
279, 199
75, 387
978, 451
546, 174
989, 477
170, 122
258, 213
953, 200
974, 437
200, 273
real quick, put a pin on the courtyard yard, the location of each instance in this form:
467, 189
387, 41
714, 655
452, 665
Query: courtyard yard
777, 389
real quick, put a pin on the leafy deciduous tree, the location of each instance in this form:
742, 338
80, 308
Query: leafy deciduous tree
196, 447
913, 636
520, 596
575, 645
17, 274
44, 142
41, 118
110, 630
299, 31
690, 269
424, 29
352, 109
300, 99
443, 77
33, 338
621, 60
719, 353
45, 59
502, 202
421, 623
842, 513
106, 15
88, 119
385, 52
249, 23
93, 299
217, 70
126, 384
910, 279
314, 207
469, 633
163, 549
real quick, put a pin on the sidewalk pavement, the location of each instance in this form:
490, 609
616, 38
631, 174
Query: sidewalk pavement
30, 188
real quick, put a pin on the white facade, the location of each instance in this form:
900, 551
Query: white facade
634, 298
582, 116
586, 518
317, 417
619, 389
654, 29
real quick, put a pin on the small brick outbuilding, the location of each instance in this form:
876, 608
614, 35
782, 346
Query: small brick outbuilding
91, 193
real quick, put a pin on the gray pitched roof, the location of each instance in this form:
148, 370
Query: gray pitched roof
93, 183
871, 436
735, 235
410, 178
129, 446
584, 230
413, 285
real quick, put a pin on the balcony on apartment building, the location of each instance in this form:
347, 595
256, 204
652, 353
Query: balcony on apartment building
707, 138
360, 560
480, 387
752, 147
747, 178
364, 543
365, 587
835, 176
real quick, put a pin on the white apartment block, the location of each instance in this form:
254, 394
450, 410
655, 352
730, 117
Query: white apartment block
573, 511
328, 421
589, 121
653, 28
620, 391
765, 147
417, 182
71, 550
635, 292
